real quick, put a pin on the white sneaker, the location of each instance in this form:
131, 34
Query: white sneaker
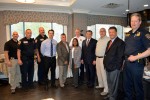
104, 93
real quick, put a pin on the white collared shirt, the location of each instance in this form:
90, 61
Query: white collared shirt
80, 40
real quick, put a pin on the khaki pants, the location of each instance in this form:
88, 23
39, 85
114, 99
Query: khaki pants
101, 74
63, 74
14, 74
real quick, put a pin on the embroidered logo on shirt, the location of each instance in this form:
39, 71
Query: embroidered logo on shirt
25, 41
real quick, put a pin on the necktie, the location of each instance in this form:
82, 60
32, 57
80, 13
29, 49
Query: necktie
51, 48
87, 42
110, 43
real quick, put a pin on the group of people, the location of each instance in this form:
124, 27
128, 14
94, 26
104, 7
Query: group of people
105, 58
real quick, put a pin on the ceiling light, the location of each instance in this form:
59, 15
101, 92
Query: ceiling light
146, 5
127, 10
26, 1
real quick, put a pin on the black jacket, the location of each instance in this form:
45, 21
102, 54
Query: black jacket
114, 56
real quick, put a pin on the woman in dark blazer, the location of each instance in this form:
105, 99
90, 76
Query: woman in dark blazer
75, 60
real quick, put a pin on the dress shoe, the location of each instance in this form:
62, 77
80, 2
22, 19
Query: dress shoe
13, 91
104, 93
54, 86
41, 83
106, 98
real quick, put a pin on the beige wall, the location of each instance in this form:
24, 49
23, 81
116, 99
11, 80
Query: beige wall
73, 21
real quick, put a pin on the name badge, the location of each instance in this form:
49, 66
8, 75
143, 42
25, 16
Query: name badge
41, 39
25, 41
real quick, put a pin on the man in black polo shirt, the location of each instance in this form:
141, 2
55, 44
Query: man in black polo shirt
39, 39
25, 53
10, 51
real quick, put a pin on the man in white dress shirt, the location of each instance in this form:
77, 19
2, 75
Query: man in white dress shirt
100, 51
80, 40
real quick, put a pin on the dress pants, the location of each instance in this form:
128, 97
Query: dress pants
101, 74
63, 74
50, 63
41, 70
133, 74
81, 76
27, 72
75, 72
14, 74
90, 73
113, 80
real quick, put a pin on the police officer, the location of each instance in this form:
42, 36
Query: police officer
137, 47
10, 51
39, 39
48, 50
25, 53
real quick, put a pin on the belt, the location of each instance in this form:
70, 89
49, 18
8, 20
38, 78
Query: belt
13, 58
100, 56
50, 57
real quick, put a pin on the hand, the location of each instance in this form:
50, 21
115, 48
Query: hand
39, 59
94, 62
132, 58
66, 62
20, 62
8, 63
82, 62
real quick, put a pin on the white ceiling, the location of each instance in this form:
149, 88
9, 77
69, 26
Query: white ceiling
95, 7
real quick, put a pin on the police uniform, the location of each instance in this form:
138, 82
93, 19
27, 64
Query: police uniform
27, 47
136, 43
39, 39
14, 70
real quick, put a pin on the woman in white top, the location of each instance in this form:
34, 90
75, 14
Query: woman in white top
75, 60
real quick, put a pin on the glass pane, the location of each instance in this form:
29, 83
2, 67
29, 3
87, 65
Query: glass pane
106, 26
92, 28
58, 31
18, 28
34, 26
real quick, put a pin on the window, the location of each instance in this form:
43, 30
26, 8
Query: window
95, 29
17, 27
34, 26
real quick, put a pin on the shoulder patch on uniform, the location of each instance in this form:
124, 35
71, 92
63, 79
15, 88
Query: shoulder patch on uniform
147, 36
19, 42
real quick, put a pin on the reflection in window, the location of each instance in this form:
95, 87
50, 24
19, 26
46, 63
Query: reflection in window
34, 26
96, 28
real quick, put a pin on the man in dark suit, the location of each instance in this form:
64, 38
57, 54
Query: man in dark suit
113, 61
89, 58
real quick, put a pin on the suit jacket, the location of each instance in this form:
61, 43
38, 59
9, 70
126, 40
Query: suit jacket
113, 58
88, 52
77, 56
63, 53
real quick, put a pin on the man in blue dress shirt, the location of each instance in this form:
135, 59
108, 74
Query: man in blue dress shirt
48, 50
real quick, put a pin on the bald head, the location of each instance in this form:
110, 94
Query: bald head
15, 35
102, 32
41, 31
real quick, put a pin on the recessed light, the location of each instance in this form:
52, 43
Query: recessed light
127, 10
146, 5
